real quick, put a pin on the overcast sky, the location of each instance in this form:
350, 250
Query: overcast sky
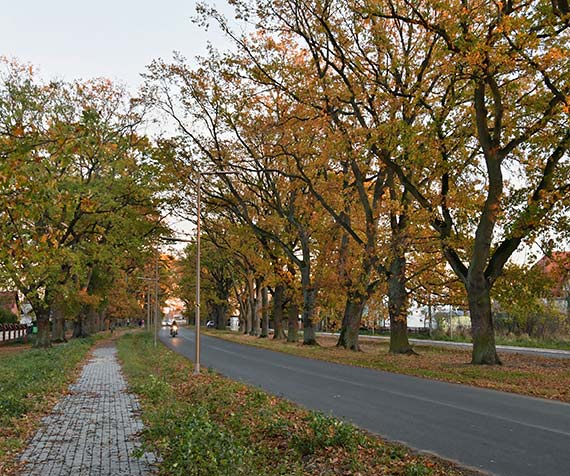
115, 39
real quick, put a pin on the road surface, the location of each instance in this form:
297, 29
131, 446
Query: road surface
501, 433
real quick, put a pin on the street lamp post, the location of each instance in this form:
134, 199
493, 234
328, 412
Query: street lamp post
156, 305
197, 307
198, 265
149, 311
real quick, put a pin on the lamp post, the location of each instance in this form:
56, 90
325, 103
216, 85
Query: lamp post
153, 312
197, 307
198, 265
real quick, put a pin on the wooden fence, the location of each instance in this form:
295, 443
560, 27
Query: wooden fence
10, 332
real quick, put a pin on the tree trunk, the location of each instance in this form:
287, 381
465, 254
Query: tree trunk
278, 303
102, 319
398, 307
80, 325
249, 315
94, 321
292, 322
351, 320
220, 310
242, 311
257, 309
309, 295
43, 338
264, 312
58, 324
482, 329
250, 306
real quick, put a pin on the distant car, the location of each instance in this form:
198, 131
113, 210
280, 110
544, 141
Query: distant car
210, 324
164, 322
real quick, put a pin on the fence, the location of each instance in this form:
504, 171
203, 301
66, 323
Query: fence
10, 332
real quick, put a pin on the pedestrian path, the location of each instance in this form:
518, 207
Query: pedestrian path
92, 431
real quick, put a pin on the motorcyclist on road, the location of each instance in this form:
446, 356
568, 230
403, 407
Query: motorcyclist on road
173, 328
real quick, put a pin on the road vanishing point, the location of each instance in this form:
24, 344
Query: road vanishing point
496, 432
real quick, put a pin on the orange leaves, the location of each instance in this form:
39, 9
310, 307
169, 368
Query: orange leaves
18, 130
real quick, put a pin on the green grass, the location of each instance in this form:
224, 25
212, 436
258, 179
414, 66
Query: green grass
516, 341
209, 425
30, 381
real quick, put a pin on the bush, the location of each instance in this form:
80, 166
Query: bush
325, 432
202, 447
7, 317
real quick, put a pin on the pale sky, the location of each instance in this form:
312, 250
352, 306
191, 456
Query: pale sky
115, 39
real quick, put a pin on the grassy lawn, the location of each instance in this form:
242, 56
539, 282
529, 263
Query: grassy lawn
524, 374
209, 425
516, 341
512, 340
31, 382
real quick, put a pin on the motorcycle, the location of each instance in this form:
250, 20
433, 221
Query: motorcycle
173, 330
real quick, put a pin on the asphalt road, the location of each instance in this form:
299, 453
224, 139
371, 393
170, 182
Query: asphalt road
497, 432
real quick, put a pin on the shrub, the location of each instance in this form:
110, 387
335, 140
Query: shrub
198, 446
7, 317
325, 432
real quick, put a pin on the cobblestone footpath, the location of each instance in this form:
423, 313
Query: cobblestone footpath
92, 430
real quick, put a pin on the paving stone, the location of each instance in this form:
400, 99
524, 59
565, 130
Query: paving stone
93, 430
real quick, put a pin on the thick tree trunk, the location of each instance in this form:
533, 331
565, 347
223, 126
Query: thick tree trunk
278, 304
221, 315
264, 312
58, 321
257, 311
94, 321
482, 329
309, 295
242, 311
249, 315
102, 319
43, 338
398, 308
351, 320
80, 325
292, 322
58, 325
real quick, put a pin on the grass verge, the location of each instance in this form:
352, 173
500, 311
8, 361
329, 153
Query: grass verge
510, 340
31, 382
208, 425
523, 374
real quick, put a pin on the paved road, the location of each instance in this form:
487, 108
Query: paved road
501, 433
551, 353
92, 431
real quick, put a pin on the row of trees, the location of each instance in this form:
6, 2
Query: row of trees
80, 209
386, 147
